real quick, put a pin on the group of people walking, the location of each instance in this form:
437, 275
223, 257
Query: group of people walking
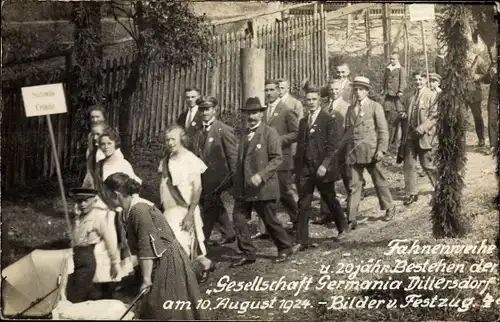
333, 135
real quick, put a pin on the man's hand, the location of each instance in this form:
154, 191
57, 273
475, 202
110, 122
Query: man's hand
188, 223
400, 94
403, 115
256, 180
493, 71
321, 171
419, 131
379, 155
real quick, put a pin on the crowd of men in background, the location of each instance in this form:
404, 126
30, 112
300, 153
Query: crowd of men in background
333, 134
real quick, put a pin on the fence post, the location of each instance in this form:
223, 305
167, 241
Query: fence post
349, 22
253, 71
386, 25
368, 39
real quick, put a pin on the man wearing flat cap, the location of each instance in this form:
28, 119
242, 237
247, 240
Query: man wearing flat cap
316, 166
284, 120
256, 184
435, 82
419, 126
365, 143
216, 145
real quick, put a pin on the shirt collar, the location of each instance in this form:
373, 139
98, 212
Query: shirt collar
209, 122
391, 67
363, 101
255, 127
284, 96
274, 104
315, 113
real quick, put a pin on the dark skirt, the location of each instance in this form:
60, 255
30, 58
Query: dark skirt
175, 292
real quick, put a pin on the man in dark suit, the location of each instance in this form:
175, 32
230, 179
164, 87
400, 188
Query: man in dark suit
190, 119
256, 184
217, 146
316, 166
284, 120
365, 144
419, 123
394, 87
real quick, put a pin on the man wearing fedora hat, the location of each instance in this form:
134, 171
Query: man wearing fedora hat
365, 143
216, 145
256, 184
284, 120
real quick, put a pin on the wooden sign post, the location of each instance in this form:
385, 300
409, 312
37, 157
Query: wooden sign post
421, 12
47, 100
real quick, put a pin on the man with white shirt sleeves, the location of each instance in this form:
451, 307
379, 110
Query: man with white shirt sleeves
316, 167
288, 99
365, 144
190, 119
256, 184
343, 73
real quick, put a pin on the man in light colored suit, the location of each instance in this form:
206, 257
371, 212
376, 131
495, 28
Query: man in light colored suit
284, 120
288, 99
419, 122
364, 144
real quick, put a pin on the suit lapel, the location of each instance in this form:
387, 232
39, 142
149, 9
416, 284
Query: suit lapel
276, 111
255, 139
210, 135
359, 117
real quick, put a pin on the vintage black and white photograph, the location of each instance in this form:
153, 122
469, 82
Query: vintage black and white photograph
249, 160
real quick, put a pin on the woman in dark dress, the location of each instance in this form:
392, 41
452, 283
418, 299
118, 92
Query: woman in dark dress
164, 264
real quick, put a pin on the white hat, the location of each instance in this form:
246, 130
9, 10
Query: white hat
361, 81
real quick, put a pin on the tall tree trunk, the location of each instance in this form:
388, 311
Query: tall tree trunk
447, 217
85, 85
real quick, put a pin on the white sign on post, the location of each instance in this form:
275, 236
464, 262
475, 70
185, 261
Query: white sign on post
44, 100
419, 12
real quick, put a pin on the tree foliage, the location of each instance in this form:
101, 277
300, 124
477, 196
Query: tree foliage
161, 29
447, 217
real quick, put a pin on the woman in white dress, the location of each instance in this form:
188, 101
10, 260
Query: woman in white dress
180, 191
112, 161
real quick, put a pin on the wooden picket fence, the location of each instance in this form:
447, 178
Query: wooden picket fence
295, 49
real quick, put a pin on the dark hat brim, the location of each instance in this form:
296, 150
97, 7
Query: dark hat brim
82, 193
262, 108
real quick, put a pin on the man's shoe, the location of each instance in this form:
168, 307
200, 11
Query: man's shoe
243, 261
352, 225
260, 235
341, 235
481, 143
411, 199
390, 213
224, 241
299, 248
282, 257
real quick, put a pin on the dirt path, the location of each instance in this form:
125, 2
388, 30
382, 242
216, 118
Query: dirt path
34, 224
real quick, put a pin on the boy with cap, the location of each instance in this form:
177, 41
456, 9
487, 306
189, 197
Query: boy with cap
365, 144
216, 145
256, 184
91, 227
435, 82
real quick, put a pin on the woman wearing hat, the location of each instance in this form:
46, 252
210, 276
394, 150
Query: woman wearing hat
91, 228
166, 268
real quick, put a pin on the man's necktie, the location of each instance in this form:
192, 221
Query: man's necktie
310, 122
269, 112
189, 117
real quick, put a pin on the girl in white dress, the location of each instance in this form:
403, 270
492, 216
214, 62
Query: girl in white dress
180, 191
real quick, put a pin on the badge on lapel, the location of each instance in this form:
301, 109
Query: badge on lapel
193, 124
312, 131
362, 114
275, 114
210, 139
259, 146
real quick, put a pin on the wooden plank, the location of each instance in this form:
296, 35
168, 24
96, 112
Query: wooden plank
170, 108
348, 10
